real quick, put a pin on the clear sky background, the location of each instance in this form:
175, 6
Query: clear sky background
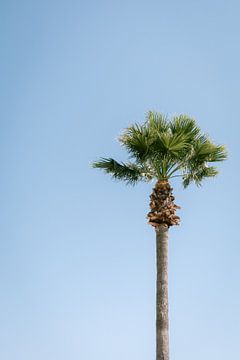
77, 258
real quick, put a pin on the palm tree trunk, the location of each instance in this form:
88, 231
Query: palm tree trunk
162, 342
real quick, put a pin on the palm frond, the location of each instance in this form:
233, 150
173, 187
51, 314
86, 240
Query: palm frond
183, 124
170, 148
203, 150
199, 175
218, 153
129, 172
137, 141
157, 122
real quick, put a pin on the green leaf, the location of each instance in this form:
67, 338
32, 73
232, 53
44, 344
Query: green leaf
129, 172
199, 175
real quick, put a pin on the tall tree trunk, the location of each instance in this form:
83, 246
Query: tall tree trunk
162, 341
161, 217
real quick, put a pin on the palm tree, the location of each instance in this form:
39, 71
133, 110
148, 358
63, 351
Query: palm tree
162, 149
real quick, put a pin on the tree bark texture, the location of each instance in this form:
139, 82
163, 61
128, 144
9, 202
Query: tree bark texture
163, 209
162, 337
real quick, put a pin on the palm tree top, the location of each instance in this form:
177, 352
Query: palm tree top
163, 148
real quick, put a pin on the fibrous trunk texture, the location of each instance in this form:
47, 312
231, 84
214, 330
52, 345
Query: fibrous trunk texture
162, 216
163, 209
162, 342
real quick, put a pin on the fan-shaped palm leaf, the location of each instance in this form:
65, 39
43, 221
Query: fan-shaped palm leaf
129, 172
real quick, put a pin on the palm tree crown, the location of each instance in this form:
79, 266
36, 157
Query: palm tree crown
164, 148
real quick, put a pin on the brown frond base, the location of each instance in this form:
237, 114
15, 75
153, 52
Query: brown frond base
163, 209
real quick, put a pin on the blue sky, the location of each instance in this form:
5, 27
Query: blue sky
77, 258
